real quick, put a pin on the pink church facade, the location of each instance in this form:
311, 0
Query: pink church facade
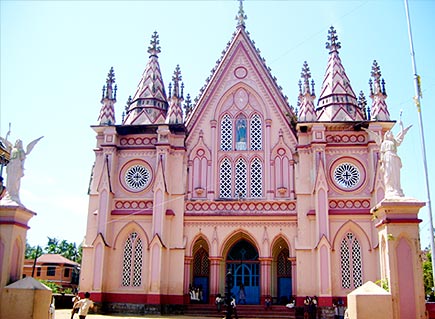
238, 181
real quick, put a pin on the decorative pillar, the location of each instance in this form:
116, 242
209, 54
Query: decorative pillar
269, 188
211, 188
187, 263
265, 265
294, 277
214, 276
399, 248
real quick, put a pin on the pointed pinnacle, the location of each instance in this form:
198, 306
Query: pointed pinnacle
154, 47
241, 17
333, 45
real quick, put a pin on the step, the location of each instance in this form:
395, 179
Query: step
243, 311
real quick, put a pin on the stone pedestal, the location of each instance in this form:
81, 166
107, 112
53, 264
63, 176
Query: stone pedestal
13, 232
370, 301
399, 247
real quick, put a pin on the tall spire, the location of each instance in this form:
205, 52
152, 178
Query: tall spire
337, 101
241, 16
306, 97
108, 100
175, 112
149, 103
378, 95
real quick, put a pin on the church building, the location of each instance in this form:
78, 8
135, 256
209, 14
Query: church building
238, 180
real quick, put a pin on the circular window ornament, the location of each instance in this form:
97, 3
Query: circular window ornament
137, 177
347, 175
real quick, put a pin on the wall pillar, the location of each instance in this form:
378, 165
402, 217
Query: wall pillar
13, 227
214, 277
399, 248
265, 271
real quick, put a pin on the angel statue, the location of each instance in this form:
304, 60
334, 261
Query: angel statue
390, 161
15, 167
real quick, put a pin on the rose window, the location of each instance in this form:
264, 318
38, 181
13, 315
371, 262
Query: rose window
347, 175
137, 177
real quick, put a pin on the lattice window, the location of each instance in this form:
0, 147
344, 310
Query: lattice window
132, 261
225, 179
256, 135
201, 263
357, 263
240, 191
226, 134
256, 185
284, 265
351, 262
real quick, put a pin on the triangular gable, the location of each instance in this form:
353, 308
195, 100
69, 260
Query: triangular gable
241, 66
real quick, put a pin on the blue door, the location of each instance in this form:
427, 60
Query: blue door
202, 284
243, 262
284, 290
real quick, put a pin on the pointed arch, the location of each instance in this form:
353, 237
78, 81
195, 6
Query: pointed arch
225, 178
236, 236
352, 227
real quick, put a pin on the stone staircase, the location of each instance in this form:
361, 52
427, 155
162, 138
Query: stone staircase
243, 311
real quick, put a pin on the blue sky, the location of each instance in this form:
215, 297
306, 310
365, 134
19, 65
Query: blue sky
55, 55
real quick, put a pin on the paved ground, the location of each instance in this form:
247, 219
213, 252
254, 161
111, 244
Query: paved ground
66, 314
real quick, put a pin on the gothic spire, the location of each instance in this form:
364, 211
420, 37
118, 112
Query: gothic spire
175, 112
149, 104
108, 100
337, 101
306, 98
378, 95
241, 16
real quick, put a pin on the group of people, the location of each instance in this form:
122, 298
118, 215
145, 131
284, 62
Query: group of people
220, 301
81, 306
195, 293
340, 311
310, 307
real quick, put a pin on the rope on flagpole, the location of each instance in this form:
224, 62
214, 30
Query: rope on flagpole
417, 97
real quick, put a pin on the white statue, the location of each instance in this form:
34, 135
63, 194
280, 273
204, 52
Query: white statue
390, 161
15, 167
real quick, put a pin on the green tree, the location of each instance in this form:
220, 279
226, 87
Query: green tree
427, 271
56, 246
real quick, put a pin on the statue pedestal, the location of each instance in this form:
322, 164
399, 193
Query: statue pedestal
399, 247
13, 230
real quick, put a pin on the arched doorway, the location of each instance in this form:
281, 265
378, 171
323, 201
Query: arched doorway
201, 269
283, 271
242, 260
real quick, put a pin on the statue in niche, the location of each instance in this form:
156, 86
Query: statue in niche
15, 167
241, 134
390, 162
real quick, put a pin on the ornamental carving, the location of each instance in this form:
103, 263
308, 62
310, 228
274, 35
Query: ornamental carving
349, 203
207, 207
346, 139
134, 204
135, 141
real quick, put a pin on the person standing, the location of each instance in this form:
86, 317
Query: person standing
84, 305
74, 310
242, 295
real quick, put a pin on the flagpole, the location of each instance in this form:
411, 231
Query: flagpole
417, 98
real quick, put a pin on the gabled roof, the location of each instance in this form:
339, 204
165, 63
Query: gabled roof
240, 43
55, 259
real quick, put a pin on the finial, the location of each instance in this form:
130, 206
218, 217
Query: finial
312, 87
300, 86
187, 105
371, 86
333, 45
376, 70
362, 103
241, 17
182, 89
114, 92
170, 89
109, 82
383, 87
104, 92
177, 78
306, 75
154, 47
128, 103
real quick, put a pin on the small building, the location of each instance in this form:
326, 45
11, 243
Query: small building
54, 268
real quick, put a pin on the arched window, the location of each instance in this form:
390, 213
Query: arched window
256, 185
240, 191
241, 127
226, 134
225, 179
132, 261
256, 133
284, 266
201, 263
351, 262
